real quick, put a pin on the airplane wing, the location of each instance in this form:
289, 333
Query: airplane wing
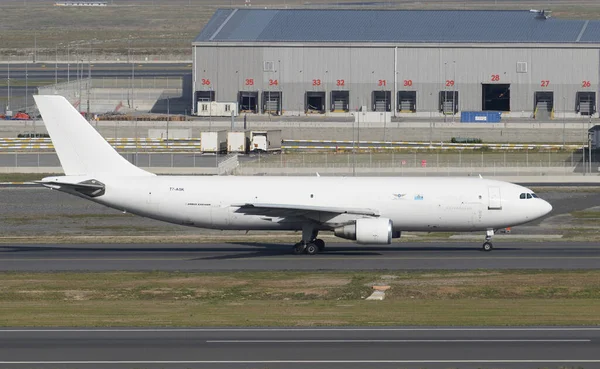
295, 209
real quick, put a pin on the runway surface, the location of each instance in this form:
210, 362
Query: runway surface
483, 347
464, 255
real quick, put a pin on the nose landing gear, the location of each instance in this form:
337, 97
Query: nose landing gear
487, 245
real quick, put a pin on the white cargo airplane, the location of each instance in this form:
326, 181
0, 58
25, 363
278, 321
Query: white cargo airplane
369, 210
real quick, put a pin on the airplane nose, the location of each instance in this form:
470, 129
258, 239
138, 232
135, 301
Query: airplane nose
546, 207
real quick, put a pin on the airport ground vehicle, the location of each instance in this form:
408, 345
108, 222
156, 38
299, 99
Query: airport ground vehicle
265, 141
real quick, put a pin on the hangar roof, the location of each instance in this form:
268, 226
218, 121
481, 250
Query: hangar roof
406, 26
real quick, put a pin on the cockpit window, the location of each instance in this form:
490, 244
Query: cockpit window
529, 196
534, 196
523, 196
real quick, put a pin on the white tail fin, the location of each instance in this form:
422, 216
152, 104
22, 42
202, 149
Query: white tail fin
80, 148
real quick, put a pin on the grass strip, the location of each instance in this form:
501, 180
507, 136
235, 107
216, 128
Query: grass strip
157, 299
25, 177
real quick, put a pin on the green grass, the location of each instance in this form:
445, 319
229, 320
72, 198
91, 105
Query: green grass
39, 217
299, 299
24, 177
491, 312
591, 215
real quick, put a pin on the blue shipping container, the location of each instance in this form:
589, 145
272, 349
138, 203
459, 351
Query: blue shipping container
480, 116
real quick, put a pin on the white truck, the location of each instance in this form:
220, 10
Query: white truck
238, 142
267, 141
213, 141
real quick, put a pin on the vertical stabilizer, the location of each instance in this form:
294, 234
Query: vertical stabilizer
80, 148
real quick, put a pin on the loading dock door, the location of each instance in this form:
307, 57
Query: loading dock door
495, 201
496, 97
314, 102
248, 101
586, 103
544, 105
382, 101
449, 102
205, 96
340, 101
407, 101
272, 102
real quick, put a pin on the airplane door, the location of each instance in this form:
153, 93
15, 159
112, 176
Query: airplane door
494, 198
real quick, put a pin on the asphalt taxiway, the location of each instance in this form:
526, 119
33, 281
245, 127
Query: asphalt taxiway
366, 347
464, 255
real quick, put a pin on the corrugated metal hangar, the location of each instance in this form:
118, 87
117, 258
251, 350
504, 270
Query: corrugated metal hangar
409, 63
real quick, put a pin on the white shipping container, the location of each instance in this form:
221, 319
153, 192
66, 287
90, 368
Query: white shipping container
213, 141
216, 109
238, 142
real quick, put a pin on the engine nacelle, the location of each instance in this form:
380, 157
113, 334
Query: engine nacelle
377, 231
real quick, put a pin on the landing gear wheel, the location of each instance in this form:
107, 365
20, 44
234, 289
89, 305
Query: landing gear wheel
487, 246
320, 244
311, 249
298, 249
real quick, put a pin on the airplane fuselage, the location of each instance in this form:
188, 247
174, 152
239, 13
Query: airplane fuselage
412, 204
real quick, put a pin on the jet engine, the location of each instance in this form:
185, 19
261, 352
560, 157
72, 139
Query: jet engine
377, 231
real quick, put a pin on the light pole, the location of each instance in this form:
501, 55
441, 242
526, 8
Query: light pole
130, 60
26, 83
8, 87
583, 151
137, 142
132, 84
68, 64
56, 67
354, 144
80, 85
454, 105
564, 119
430, 123
168, 119
590, 144
89, 83
445, 92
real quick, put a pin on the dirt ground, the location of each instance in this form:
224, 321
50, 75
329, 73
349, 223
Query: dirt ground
168, 26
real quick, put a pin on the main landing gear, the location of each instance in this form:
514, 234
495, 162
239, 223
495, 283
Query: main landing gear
487, 245
310, 244
310, 248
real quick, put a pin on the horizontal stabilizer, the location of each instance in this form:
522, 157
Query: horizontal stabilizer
89, 188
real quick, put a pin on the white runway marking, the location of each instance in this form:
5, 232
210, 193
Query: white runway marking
172, 330
403, 341
225, 362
